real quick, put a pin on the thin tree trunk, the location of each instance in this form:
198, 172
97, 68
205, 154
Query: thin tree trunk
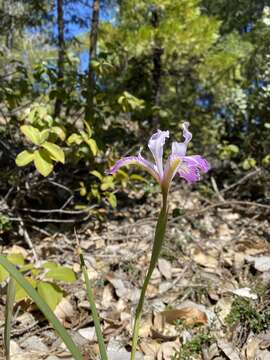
156, 71
91, 86
61, 56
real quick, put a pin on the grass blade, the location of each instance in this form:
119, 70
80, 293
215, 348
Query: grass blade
90, 296
44, 308
8, 315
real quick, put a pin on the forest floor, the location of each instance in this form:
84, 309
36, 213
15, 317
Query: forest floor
208, 297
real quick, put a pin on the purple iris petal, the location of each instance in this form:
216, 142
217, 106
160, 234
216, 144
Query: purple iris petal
190, 167
135, 160
181, 148
156, 144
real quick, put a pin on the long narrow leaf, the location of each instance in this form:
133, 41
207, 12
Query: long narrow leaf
90, 296
11, 290
61, 331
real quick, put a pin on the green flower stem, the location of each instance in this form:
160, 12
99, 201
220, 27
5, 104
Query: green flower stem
90, 296
158, 241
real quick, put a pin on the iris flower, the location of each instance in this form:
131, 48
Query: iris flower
178, 163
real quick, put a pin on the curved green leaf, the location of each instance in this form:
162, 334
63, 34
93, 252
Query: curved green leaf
8, 316
43, 306
43, 162
93, 146
31, 133
51, 293
59, 132
74, 139
44, 135
55, 151
24, 158
61, 273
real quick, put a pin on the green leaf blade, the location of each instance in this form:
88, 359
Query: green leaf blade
43, 162
31, 133
43, 306
24, 158
61, 273
55, 151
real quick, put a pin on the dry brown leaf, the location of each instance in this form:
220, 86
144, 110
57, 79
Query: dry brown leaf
167, 350
190, 315
120, 288
223, 308
228, 350
146, 325
149, 347
165, 268
64, 310
107, 296
251, 349
204, 259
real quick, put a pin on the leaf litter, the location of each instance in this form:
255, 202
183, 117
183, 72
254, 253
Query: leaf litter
210, 259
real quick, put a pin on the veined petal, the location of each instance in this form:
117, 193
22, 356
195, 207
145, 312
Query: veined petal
181, 148
190, 167
156, 144
135, 160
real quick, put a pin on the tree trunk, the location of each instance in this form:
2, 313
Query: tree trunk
91, 86
61, 56
156, 71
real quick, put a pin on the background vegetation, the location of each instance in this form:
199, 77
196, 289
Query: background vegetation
83, 82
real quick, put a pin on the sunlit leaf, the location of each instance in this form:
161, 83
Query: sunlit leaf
74, 139
55, 151
24, 158
61, 273
31, 133
51, 293
43, 162
93, 146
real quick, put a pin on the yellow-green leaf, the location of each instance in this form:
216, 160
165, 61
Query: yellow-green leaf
97, 174
24, 158
16, 258
43, 162
59, 132
31, 133
50, 293
3, 274
61, 273
49, 265
74, 139
112, 200
20, 292
44, 135
88, 128
93, 146
55, 151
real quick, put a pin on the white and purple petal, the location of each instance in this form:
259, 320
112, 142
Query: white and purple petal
156, 144
135, 160
191, 166
181, 148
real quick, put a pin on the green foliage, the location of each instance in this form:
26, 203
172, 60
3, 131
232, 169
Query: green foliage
228, 151
42, 305
129, 102
5, 224
47, 152
245, 313
48, 289
83, 143
101, 190
193, 347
